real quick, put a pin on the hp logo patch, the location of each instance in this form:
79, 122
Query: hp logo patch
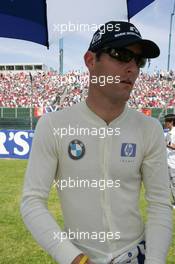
76, 149
128, 150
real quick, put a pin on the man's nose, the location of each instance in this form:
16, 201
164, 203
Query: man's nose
132, 66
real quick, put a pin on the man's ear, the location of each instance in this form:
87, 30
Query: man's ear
89, 59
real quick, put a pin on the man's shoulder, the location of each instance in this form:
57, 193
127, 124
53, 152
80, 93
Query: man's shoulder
61, 117
66, 112
141, 117
148, 126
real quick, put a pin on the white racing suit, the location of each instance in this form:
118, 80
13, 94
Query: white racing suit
170, 139
172, 182
134, 156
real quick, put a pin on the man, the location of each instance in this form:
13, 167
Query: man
118, 146
170, 143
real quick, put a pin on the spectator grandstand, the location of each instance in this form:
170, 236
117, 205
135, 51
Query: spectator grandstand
42, 89
26, 67
153, 91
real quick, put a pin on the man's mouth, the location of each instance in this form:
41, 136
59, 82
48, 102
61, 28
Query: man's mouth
127, 82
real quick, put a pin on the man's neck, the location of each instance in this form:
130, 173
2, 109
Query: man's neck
105, 109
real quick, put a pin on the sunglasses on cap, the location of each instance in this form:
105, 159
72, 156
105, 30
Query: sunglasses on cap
125, 55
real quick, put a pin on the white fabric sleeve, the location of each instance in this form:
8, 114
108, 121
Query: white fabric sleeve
158, 229
173, 138
40, 174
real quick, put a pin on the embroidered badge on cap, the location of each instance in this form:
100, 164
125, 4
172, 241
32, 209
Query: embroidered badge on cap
76, 149
97, 37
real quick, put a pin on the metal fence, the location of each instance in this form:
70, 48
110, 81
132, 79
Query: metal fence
17, 118
23, 118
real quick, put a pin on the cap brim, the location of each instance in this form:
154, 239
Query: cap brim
149, 48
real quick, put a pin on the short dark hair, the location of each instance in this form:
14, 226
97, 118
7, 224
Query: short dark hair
98, 54
170, 118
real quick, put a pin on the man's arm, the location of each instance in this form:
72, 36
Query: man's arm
171, 146
40, 174
156, 183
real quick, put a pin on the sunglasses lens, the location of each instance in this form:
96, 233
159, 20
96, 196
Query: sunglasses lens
126, 55
141, 62
122, 55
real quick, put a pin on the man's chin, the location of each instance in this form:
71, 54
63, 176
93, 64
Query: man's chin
119, 99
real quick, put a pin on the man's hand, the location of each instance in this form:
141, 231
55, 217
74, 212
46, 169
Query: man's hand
171, 146
78, 258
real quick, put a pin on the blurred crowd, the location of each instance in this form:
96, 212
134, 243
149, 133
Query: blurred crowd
42, 89
157, 90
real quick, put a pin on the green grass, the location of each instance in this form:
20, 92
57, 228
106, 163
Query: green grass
16, 243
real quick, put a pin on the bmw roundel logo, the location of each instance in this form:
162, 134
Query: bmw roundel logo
76, 149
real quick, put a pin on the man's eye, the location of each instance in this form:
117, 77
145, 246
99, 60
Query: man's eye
113, 52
